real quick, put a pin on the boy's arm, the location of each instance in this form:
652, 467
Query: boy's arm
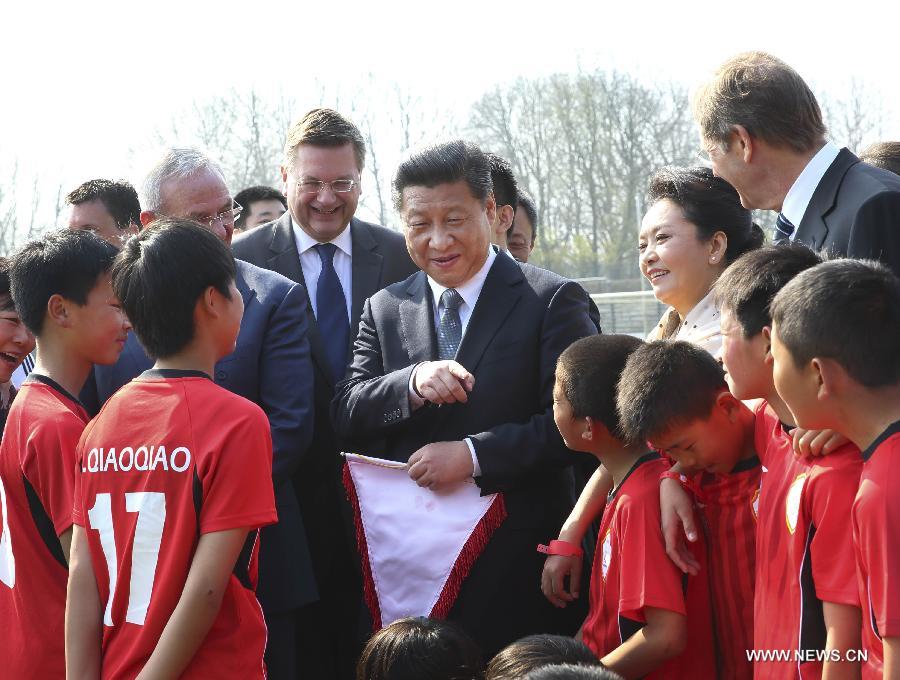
891, 658
198, 605
84, 611
65, 540
663, 637
843, 624
678, 522
557, 567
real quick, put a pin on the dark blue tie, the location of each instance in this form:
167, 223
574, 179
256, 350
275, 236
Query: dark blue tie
783, 228
331, 312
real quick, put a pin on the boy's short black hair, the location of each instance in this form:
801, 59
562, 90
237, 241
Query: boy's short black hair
418, 647
535, 651
567, 671
64, 262
159, 276
6, 301
588, 371
748, 286
665, 384
845, 310
526, 203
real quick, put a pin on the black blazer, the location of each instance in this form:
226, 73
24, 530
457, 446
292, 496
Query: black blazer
524, 318
270, 366
854, 212
379, 258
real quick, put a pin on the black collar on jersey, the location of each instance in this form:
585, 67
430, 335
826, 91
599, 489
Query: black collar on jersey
646, 458
169, 373
746, 464
52, 384
892, 429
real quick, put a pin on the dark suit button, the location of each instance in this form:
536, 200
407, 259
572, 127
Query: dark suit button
221, 375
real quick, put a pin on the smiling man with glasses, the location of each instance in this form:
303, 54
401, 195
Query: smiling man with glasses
342, 261
270, 366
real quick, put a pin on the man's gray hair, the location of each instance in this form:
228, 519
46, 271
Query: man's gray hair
176, 163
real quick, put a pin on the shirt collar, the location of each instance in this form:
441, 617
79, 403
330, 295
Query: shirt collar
343, 241
703, 313
471, 289
801, 192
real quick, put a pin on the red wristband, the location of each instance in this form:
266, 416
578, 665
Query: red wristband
678, 477
563, 548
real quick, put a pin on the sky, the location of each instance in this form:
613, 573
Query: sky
85, 83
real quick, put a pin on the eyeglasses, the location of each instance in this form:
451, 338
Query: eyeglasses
314, 186
226, 219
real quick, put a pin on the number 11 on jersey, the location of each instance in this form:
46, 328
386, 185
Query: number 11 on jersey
151, 510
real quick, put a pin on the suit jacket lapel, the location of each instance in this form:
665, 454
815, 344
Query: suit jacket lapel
498, 298
366, 278
284, 258
283, 255
813, 230
417, 321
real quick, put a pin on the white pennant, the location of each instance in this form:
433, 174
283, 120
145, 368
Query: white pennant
416, 545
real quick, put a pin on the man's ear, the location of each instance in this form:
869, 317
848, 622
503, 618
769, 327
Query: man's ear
744, 140
490, 208
147, 216
505, 214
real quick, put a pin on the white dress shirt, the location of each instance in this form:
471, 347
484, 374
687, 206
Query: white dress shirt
469, 292
700, 327
801, 192
311, 264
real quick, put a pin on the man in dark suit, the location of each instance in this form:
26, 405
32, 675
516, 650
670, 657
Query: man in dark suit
270, 366
341, 261
453, 371
763, 130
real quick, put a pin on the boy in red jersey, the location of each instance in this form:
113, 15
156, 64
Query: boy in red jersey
674, 395
61, 288
172, 482
643, 619
835, 334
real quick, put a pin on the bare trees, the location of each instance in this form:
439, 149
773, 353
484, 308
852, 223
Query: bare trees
585, 146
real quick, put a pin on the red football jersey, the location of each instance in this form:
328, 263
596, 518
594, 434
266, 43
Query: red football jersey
876, 537
37, 460
802, 552
172, 456
729, 520
632, 571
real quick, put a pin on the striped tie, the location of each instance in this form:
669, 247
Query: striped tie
449, 331
783, 228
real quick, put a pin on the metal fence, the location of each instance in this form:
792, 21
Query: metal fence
634, 313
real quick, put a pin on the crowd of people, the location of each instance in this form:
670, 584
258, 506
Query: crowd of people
183, 366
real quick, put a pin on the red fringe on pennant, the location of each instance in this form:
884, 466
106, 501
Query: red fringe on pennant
369, 593
479, 538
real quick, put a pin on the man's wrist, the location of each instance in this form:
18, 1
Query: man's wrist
416, 400
476, 467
